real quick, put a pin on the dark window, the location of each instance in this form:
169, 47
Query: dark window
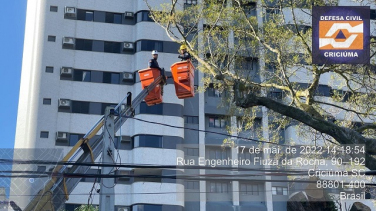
95, 108
53, 8
118, 18
323, 90
98, 46
191, 185
74, 138
111, 78
373, 15
218, 122
89, 15
113, 18
85, 15
143, 16
191, 151
219, 187
51, 38
44, 134
49, 69
148, 141
191, 119
46, 101
99, 16
149, 45
155, 109
82, 44
97, 76
112, 47
80, 107
249, 189
82, 75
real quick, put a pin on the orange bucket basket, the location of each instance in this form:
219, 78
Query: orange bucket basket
148, 76
183, 74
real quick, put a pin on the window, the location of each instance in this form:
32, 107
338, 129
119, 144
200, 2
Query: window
191, 185
148, 141
217, 122
191, 151
191, 119
85, 15
155, 109
270, 13
323, 90
213, 92
51, 38
91, 179
82, 44
249, 189
53, 8
49, 69
279, 191
219, 187
80, 107
143, 16
149, 45
218, 153
82, 75
98, 46
44, 134
111, 78
113, 18
46, 101
112, 47
74, 138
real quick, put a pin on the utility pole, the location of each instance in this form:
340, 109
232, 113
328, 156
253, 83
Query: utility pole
107, 192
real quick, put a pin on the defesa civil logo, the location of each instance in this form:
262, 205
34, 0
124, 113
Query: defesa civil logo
340, 35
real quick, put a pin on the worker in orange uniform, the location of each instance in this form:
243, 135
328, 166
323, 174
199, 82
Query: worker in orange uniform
184, 55
153, 63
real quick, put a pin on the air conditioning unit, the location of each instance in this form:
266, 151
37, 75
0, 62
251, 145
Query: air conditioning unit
64, 103
66, 71
70, 12
128, 46
61, 136
128, 14
127, 76
68, 41
123, 209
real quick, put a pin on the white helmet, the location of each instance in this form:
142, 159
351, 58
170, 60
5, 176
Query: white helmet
154, 52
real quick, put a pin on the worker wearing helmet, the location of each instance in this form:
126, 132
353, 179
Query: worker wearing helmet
184, 55
153, 63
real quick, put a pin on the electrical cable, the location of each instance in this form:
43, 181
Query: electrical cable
212, 132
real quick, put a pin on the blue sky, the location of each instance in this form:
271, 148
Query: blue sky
12, 25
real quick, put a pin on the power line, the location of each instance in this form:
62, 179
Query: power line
177, 167
206, 131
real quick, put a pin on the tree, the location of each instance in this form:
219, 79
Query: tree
227, 39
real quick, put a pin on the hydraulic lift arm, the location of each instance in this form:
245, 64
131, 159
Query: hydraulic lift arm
56, 191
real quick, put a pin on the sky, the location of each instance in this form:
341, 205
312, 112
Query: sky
12, 28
